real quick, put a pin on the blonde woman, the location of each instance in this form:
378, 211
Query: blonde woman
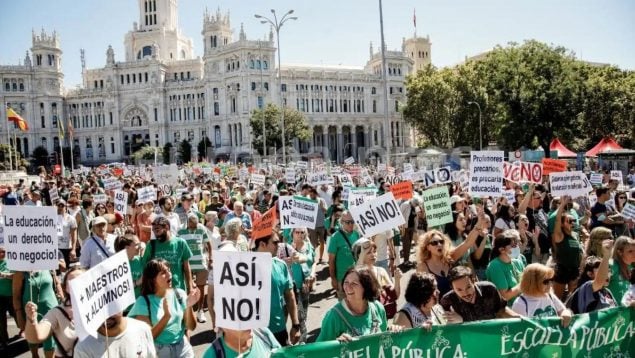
593, 246
434, 256
536, 298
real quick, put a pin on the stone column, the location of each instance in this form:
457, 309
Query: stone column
340, 145
324, 141
354, 142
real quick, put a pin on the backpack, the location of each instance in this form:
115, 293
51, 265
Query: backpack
219, 351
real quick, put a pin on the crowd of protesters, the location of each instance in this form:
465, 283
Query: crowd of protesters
538, 256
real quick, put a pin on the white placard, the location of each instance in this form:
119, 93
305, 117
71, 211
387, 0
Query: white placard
100, 198
391, 179
436, 176
301, 165
378, 215
320, 178
486, 173
596, 178
510, 195
629, 211
349, 160
358, 196
103, 291
617, 175
381, 167
31, 238
147, 193
297, 212
289, 175
368, 180
258, 179
345, 180
407, 168
593, 198
166, 174
242, 289
54, 195
121, 202
574, 184
112, 183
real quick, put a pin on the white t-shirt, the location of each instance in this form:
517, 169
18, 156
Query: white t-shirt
381, 241
502, 224
629, 296
547, 306
135, 341
63, 227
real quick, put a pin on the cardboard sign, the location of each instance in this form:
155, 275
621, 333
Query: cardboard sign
54, 195
436, 202
402, 190
297, 212
112, 183
391, 179
436, 176
166, 174
378, 215
574, 184
358, 196
100, 198
523, 172
596, 178
242, 289
407, 168
510, 195
349, 160
629, 211
553, 166
147, 193
121, 202
486, 173
345, 180
617, 175
320, 178
302, 165
264, 226
102, 291
289, 175
258, 179
31, 238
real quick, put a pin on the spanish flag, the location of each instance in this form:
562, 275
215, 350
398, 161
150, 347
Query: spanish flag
12, 116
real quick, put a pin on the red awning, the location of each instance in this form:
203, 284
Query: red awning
606, 144
563, 152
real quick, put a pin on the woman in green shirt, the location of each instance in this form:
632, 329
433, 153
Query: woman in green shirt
168, 311
621, 266
359, 313
303, 274
132, 245
504, 271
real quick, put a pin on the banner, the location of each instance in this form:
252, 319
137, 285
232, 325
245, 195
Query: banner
166, 174
242, 289
101, 292
264, 226
258, 179
319, 178
574, 184
378, 215
30, 234
605, 333
147, 193
486, 173
100, 198
349, 160
112, 183
297, 212
402, 190
437, 205
553, 166
358, 196
121, 202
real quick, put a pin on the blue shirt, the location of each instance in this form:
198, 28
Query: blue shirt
244, 217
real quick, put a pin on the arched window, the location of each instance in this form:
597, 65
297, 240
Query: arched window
146, 51
251, 64
258, 64
264, 65
7, 86
21, 87
44, 142
14, 86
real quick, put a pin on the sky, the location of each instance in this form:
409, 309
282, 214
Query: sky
330, 32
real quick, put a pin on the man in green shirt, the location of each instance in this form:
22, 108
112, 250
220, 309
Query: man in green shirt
196, 237
172, 249
282, 295
340, 251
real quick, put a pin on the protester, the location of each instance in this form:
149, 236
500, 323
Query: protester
167, 310
196, 237
144, 220
629, 297
99, 246
567, 253
531, 206
233, 231
166, 205
621, 265
318, 235
66, 233
83, 219
433, 256
303, 274
422, 307
6, 301
133, 246
340, 252
409, 211
250, 343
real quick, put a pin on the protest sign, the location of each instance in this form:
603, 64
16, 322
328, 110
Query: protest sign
112, 183
242, 289
354, 170
345, 191
289, 175
258, 179
31, 238
593, 198
437, 176
301, 165
629, 211
147, 193
553, 166
596, 178
54, 195
486, 173
297, 212
377, 215
617, 175
367, 180
166, 174
510, 195
102, 291
523, 172
603, 333
436, 202
349, 160
345, 180
573, 184
402, 190
392, 179
264, 226
319, 178
381, 167
408, 168
358, 196
100, 198
121, 202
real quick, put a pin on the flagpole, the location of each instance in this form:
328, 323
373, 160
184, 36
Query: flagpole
61, 146
72, 159
8, 139
15, 145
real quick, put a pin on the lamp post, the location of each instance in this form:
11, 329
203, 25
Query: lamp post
480, 124
277, 25
384, 76
264, 134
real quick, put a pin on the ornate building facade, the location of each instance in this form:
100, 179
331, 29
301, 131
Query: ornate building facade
162, 93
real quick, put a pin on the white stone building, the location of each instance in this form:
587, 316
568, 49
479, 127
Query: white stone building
161, 93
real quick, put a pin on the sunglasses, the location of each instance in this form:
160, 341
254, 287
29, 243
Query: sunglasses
621, 197
348, 221
436, 242
547, 281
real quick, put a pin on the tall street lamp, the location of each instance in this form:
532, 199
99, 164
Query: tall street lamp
480, 124
384, 75
277, 25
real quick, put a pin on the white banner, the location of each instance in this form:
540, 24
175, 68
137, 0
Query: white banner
101, 292
319, 178
242, 289
574, 184
378, 215
349, 160
486, 173
54, 195
147, 193
297, 212
166, 174
112, 183
121, 202
289, 175
100, 198
358, 196
301, 165
30, 234
258, 179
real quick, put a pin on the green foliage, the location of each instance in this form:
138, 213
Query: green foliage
202, 147
166, 153
185, 151
40, 156
146, 153
296, 126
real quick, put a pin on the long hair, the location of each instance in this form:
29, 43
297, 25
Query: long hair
367, 280
533, 276
423, 254
153, 268
598, 235
622, 243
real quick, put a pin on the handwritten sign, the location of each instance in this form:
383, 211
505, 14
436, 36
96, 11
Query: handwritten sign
617, 175
112, 183
166, 174
258, 179
264, 226
349, 160
147, 193
121, 202
100, 198
629, 211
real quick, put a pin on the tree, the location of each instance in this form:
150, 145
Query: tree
40, 156
202, 147
185, 151
167, 148
146, 153
296, 126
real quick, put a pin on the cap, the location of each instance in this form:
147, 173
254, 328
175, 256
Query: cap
455, 199
60, 201
215, 195
187, 197
100, 220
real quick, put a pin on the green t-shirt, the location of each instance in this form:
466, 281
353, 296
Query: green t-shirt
40, 284
618, 285
137, 272
551, 220
6, 289
280, 282
174, 330
259, 347
342, 251
373, 321
504, 275
175, 251
195, 240
300, 271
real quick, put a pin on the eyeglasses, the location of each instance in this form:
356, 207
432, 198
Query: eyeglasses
621, 197
547, 281
348, 222
436, 242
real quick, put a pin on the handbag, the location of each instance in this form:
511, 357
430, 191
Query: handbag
388, 298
